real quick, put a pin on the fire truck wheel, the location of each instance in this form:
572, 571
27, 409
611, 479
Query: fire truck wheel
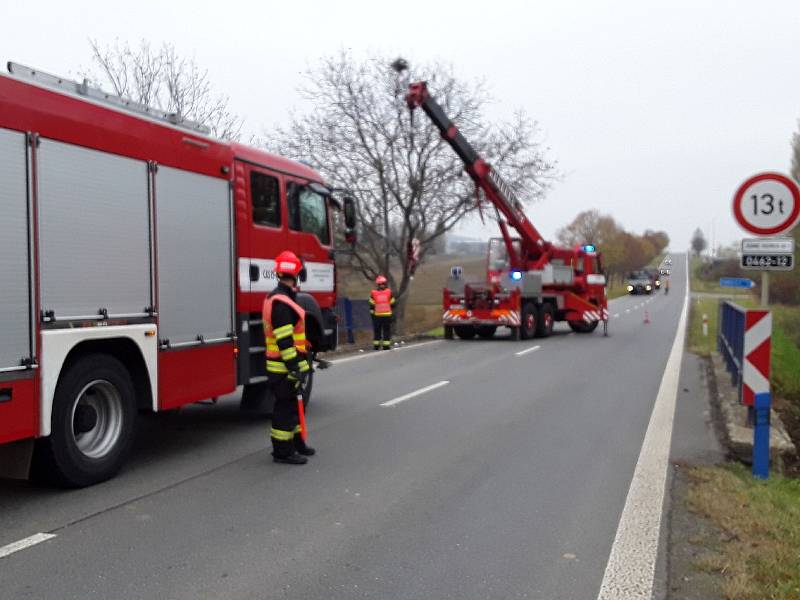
93, 423
529, 321
582, 326
465, 332
545, 325
448, 332
486, 331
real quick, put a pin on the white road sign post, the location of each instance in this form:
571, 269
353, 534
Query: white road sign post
767, 204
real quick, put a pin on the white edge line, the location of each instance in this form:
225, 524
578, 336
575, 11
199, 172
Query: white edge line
414, 394
531, 349
36, 538
616, 315
630, 571
373, 353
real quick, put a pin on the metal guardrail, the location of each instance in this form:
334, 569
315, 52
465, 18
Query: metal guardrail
744, 338
730, 339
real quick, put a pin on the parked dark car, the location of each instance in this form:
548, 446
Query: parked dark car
639, 282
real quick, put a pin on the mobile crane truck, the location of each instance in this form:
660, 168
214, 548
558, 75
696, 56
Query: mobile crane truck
530, 283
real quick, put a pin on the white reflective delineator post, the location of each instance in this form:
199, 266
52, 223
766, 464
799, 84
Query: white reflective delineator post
705, 325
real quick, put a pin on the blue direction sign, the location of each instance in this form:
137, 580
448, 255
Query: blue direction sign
736, 282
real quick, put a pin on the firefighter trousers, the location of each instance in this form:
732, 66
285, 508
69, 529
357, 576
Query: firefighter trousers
382, 333
285, 420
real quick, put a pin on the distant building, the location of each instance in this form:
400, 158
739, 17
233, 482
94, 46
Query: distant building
465, 246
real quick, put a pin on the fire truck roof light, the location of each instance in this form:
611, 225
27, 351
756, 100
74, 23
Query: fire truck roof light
516, 275
589, 248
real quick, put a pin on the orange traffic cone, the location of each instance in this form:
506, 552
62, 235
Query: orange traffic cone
646, 316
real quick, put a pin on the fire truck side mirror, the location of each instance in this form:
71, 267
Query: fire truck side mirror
349, 212
350, 220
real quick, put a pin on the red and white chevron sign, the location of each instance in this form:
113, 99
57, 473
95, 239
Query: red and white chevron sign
756, 355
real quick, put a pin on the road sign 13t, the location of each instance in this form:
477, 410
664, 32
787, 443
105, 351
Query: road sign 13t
767, 204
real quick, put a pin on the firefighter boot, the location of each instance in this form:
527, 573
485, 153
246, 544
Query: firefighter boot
301, 447
284, 452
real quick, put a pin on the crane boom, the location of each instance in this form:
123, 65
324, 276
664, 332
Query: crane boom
485, 177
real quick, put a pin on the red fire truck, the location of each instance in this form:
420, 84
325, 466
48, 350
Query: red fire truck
135, 254
530, 283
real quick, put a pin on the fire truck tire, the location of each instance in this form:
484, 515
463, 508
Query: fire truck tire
486, 331
530, 319
93, 423
582, 326
465, 332
545, 325
448, 332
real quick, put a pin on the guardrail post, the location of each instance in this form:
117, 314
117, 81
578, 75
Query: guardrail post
761, 436
348, 320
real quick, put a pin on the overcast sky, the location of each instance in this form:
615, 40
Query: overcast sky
654, 111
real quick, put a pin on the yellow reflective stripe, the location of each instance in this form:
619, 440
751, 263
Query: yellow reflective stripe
283, 332
303, 365
289, 353
276, 366
281, 435
392, 301
298, 429
372, 300
383, 314
272, 347
300, 336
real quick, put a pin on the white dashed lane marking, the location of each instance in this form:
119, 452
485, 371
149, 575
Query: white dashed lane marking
36, 538
414, 394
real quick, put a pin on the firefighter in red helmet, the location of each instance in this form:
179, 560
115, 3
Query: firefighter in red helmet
287, 362
381, 302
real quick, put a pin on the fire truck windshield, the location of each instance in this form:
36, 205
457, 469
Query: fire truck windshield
309, 212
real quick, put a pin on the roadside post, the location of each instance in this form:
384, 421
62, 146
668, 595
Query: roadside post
705, 325
767, 204
745, 342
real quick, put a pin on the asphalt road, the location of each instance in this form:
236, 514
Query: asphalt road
506, 482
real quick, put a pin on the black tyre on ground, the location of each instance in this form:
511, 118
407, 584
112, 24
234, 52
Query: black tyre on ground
530, 318
465, 332
448, 332
582, 326
546, 319
486, 331
93, 423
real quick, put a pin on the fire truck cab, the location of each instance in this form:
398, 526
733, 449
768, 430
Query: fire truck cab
135, 255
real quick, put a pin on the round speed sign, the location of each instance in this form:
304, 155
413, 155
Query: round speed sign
767, 204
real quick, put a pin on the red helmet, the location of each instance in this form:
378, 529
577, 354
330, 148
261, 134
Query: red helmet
380, 280
287, 263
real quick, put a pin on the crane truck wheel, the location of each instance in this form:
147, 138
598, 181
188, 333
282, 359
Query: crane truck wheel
530, 319
546, 319
486, 331
93, 423
582, 326
465, 332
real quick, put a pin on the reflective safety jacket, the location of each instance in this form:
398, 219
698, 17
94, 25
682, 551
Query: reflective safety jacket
285, 334
381, 302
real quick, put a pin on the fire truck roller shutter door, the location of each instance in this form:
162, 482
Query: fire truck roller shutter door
94, 231
14, 268
194, 256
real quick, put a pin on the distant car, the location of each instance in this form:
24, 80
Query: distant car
655, 277
639, 282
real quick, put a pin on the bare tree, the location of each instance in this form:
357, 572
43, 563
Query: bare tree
162, 79
408, 182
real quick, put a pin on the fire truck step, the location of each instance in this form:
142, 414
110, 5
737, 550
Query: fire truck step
257, 349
